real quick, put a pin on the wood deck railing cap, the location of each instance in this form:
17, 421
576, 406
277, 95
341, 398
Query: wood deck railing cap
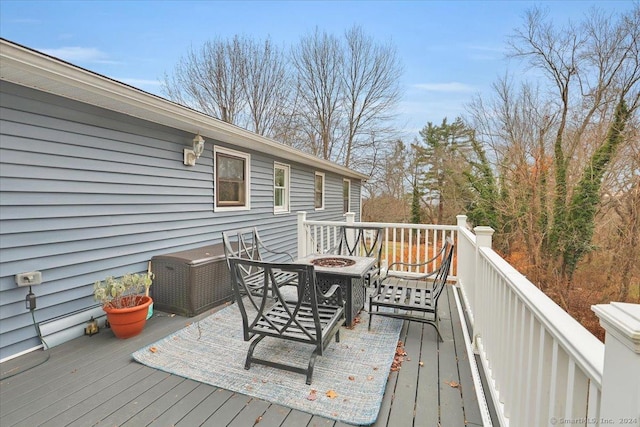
621, 319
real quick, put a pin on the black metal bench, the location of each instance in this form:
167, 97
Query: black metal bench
305, 318
409, 296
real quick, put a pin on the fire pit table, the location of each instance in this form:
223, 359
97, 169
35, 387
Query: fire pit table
346, 271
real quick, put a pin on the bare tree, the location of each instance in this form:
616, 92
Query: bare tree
210, 79
318, 61
239, 81
595, 71
267, 87
371, 90
348, 90
516, 127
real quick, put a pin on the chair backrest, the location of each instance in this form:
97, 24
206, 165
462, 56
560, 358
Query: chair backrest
442, 273
356, 240
242, 243
255, 305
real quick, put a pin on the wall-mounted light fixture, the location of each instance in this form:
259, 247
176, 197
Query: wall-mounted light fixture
191, 155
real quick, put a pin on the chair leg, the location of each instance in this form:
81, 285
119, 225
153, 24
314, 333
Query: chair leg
312, 362
437, 331
247, 363
436, 325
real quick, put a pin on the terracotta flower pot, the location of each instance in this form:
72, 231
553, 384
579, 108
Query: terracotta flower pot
129, 322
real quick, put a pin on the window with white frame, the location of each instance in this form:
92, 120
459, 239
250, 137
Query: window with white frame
319, 191
281, 187
232, 180
346, 195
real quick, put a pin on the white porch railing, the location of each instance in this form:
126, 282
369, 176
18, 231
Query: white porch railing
409, 243
543, 368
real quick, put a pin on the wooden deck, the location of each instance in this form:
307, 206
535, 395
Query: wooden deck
94, 380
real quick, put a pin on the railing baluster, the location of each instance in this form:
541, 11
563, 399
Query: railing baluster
593, 403
520, 364
532, 354
553, 382
394, 244
418, 245
569, 396
402, 245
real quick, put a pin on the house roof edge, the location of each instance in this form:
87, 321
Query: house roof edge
30, 68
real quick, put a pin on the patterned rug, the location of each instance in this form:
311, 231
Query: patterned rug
348, 380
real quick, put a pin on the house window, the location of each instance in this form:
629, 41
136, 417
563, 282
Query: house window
346, 195
280, 188
319, 191
232, 179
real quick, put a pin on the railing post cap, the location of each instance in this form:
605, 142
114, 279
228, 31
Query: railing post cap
484, 230
622, 320
462, 220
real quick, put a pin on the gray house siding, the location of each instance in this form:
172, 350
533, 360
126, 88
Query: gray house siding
87, 192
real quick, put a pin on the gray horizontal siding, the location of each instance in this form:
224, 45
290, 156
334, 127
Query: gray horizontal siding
86, 193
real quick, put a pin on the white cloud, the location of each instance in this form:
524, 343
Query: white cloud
79, 54
446, 87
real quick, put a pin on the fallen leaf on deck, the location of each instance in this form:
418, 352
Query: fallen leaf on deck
153, 349
399, 357
453, 384
258, 420
352, 378
331, 394
312, 395
370, 377
421, 363
356, 320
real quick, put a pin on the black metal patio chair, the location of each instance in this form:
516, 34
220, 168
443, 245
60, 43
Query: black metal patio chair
304, 318
245, 243
359, 240
405, 295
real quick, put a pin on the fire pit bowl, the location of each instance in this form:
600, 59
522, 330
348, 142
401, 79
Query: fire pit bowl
333, 262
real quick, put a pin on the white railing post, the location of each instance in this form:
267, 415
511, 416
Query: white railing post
483, 236
465, 265
350, 217
483, 240
302, 235
620, 401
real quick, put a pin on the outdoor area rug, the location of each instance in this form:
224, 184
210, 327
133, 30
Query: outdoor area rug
348, 380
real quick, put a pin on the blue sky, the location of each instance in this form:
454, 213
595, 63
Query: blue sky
451, 50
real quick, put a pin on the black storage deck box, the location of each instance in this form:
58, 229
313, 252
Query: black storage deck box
192, 281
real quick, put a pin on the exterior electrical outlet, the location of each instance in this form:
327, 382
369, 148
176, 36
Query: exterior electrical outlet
29, 279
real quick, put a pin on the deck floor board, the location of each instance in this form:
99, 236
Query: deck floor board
427, 411
68, 389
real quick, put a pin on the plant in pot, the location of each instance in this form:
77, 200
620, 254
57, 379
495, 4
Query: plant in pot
126, 301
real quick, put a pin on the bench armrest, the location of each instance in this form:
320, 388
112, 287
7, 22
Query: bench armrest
407, 275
